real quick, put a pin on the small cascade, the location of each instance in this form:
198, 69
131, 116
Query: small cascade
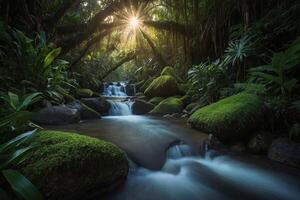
120, 108
179, 151
115, 89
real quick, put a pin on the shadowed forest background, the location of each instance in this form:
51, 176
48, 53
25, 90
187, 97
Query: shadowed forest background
229, 69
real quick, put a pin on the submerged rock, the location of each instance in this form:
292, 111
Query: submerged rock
168, 106
99, 104
230, 119
140, 107
57, 115
163, 86
285, 151
71, 166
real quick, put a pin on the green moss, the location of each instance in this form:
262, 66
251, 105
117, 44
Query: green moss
230, 119
66, 163
84, 93
169, 71
168, 106
191, 106
146, 84
156, 100
163, 86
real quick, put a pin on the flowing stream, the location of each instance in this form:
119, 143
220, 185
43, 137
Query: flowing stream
163, 167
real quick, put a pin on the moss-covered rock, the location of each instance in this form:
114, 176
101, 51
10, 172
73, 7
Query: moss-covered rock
192, 107
146, 84
84, 93
230, 119
169, 71
141, 107
70, 166
156, 100
168, 106
163, 86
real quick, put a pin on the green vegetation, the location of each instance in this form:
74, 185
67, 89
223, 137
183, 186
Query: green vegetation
163, 86
156, 100
230, 119
11, 153
168, 106
62, 160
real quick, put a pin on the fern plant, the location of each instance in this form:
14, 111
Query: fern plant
276, 74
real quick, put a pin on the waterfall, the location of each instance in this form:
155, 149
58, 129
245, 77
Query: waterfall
115, 89
120, 108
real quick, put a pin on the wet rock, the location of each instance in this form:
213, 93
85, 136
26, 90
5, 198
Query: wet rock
141, 107
163, 86
285, 151
100, 104
57, 115
168, 106
85, 111
130, 89
259, 143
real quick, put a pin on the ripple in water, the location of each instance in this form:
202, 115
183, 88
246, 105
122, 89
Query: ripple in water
187, 177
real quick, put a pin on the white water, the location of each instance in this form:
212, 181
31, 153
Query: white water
211, 177
115, 90
120, 108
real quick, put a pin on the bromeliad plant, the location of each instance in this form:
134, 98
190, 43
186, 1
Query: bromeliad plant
12, 152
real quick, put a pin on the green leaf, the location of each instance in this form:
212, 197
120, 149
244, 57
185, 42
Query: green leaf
30, 99
51, 56
16, 141
13, 157
14, 99
21, 185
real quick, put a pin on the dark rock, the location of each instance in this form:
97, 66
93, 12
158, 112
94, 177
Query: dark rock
239, 147
130, 89
57, 115
285, 151
85, 111
100, 104
259, 143
140, 107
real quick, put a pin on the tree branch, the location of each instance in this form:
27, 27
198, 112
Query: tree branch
170, 26
130, 56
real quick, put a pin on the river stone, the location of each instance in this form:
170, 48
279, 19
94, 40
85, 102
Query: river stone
285, 151
141, 107
260, 143
85, 111
57, 115
99, 104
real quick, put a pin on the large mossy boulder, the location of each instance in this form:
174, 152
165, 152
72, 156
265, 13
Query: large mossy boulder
99, 104
163, 86
141, 107
71, 166
230, 119
84, 93
170, 105
56, 115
